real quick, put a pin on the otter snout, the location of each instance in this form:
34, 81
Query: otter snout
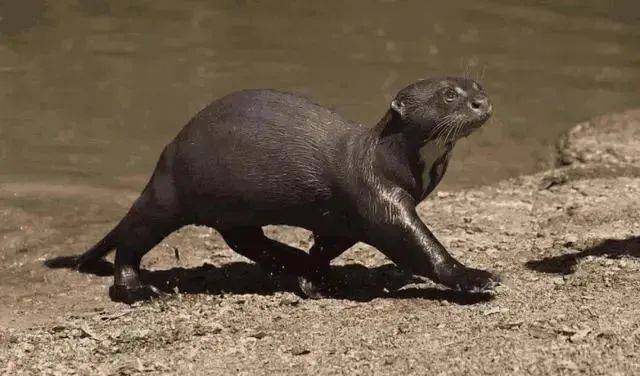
480, 105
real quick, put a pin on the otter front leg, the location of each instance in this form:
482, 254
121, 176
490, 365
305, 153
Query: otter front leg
399, 233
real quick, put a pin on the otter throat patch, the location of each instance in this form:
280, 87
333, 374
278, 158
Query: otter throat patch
434, 157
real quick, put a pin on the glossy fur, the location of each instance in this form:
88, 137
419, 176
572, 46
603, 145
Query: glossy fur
261, 157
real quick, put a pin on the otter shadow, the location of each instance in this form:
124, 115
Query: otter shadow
566, 264
350, 282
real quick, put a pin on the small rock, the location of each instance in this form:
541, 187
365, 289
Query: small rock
570, 240
580, 335
541, 333
510, 325
402, 328
502, 289
258, 335
606, 333
494, 310
58, 328
290, 299
299, 350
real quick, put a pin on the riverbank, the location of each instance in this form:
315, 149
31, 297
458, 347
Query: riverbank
566, 242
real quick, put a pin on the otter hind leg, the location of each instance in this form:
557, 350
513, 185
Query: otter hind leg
273, 256
147, 224
315, 285
127, 286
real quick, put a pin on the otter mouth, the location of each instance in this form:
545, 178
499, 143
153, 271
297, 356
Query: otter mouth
453, 128
479, 121
474, 125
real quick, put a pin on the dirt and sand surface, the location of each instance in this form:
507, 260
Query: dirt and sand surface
566, 242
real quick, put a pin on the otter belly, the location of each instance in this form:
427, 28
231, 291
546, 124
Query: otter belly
434, 158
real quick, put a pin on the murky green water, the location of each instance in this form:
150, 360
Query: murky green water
91, 90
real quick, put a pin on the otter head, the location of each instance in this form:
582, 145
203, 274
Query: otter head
442, 108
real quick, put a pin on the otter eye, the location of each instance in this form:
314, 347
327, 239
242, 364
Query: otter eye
450, 95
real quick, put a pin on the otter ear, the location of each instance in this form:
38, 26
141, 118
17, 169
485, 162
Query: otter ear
398, 106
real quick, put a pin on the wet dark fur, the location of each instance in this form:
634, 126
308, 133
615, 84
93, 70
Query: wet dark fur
261, 157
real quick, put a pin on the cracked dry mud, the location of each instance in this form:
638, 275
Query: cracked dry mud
566, 242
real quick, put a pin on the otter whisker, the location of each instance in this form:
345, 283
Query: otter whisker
458, 130
479, 73
444, 138
453, 128
443, 123
449, 132
444, 133
442, 127
463, 67
482, 73
454, 132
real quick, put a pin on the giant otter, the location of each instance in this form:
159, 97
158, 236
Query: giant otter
263, 157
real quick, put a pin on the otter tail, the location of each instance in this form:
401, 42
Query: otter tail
90, 258
99, 250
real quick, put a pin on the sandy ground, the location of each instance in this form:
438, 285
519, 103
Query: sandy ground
566, 242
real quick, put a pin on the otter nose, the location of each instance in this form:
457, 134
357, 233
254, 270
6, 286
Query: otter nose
480, 104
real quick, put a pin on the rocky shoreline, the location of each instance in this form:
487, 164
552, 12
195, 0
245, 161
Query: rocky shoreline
565, 240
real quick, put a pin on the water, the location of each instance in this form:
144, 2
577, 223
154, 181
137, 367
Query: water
91, 90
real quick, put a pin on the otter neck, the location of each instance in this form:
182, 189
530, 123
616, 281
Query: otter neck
409, 157
389, 124
391, 130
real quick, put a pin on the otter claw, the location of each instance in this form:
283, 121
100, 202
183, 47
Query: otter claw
476, 281
130, 295
310, 289
487, 288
